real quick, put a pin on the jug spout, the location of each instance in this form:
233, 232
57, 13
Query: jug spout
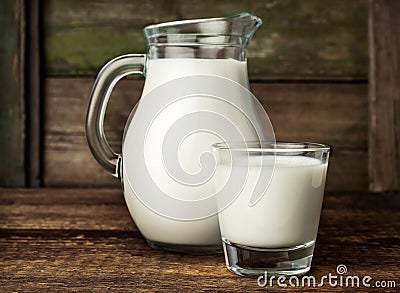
243, 24
232, 30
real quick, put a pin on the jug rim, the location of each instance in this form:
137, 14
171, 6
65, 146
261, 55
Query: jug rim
193, 26
202, 20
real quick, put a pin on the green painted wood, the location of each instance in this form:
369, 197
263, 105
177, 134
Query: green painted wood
309, 40
12, 121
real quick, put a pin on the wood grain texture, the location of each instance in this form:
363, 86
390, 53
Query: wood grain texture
335, 114
33, 94
310, 40
384, 95
12, 118
84, 240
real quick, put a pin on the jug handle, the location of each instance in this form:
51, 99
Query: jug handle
107, 78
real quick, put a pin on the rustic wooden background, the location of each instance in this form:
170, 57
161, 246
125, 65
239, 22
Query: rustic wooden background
308, 65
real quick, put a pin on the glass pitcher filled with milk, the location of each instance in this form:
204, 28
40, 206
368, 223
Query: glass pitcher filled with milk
195, 94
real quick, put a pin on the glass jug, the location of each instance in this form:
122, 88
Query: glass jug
183, 58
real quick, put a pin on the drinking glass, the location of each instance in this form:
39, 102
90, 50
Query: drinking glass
271, 223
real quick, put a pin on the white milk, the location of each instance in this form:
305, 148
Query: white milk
288, 213
152, 225
159, 71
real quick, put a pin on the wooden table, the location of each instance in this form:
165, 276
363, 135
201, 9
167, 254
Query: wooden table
85, 240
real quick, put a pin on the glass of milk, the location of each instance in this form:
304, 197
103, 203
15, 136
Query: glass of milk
269, 198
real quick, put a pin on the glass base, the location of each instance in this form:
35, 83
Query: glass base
254, 262
184, 248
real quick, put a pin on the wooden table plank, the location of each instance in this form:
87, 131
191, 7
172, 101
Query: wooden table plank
79, 209
84, 240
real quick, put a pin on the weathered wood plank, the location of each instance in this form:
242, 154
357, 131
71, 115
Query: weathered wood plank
384, 95
335, 114
299, 39
12, 119
33, 95
329, 113
64, 212
89, 253
62, 209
